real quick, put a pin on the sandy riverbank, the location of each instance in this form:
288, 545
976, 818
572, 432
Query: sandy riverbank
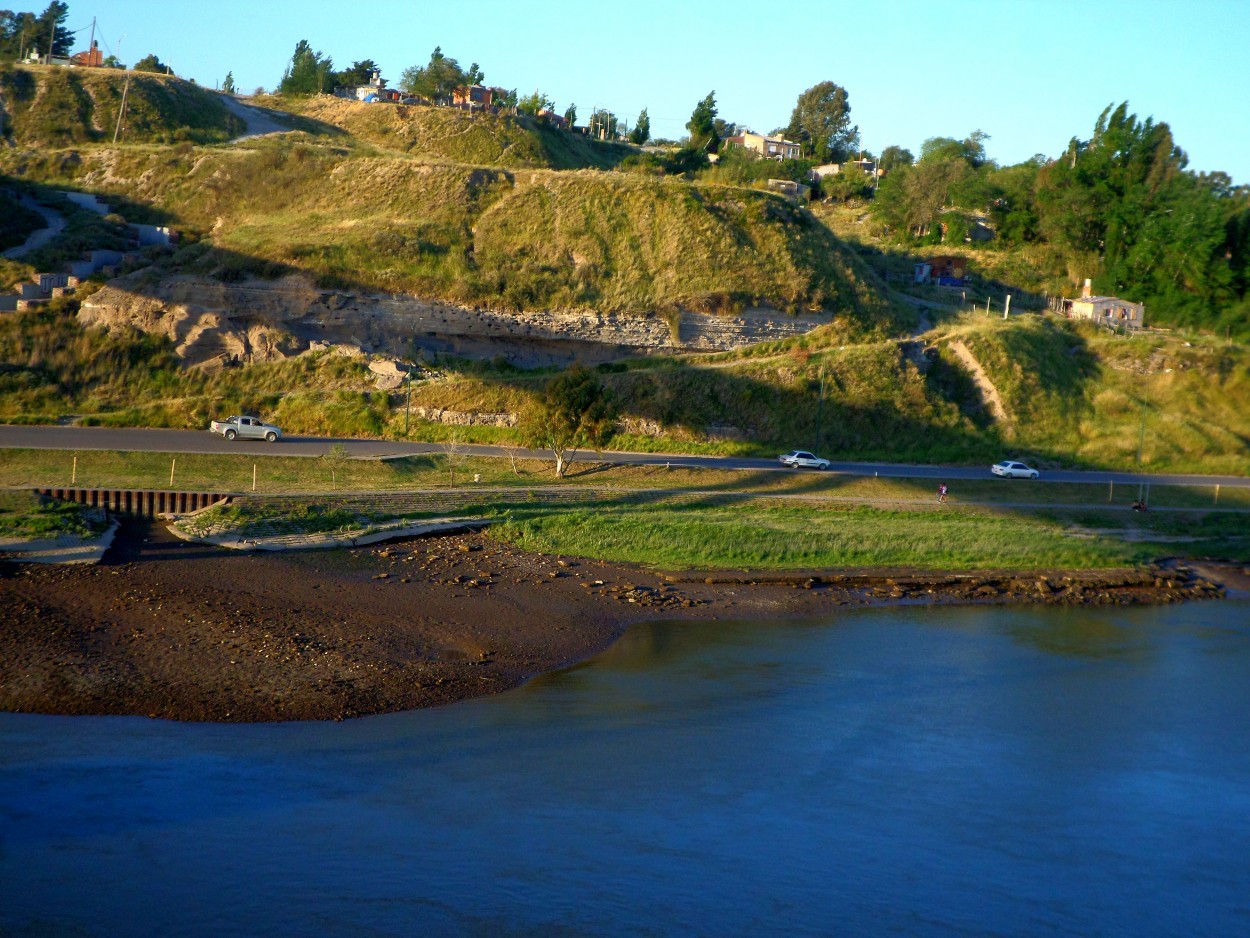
184, 631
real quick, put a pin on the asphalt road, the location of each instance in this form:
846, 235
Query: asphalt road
193, 441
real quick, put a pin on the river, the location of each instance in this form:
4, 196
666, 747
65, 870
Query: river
953, 771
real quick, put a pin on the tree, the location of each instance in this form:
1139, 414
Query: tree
438, 78
360, 73
227, 86
821, 122
702, 125
893, 156
150, 63
504, 98
575, 411
570, 115
851, 183
309, 72
533, 103
112, 61
22, 33
642, 130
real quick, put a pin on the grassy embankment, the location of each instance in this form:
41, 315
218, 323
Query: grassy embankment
708, 518
440, 134
51, 107
523, 239
1073, 396
349, 215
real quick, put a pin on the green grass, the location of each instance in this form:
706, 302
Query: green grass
763, 537
48, 106
25, 515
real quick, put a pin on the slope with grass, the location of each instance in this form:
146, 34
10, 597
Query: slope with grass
445, 134
48, 106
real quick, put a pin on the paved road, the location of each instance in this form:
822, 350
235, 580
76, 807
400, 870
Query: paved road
192, 441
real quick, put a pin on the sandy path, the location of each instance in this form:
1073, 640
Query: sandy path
40, 237
989, 393
259, 121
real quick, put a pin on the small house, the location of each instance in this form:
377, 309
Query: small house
771, 148
1110, 311
472, 96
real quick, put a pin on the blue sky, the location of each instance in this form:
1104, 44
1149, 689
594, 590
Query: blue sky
1030, 73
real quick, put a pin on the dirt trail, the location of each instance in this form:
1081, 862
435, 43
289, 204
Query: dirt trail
259, 121
41, 236
989, 393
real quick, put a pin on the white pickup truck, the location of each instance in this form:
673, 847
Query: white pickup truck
245, 428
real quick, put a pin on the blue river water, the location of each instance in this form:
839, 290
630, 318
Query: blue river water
916, 771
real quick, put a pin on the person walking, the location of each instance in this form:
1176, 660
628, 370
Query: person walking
942, 493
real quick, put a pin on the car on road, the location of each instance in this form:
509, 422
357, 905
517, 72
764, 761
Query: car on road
801, 459
1010, 469
245, 428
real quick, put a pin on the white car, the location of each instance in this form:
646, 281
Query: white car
801, 459
1009, 469
245, 428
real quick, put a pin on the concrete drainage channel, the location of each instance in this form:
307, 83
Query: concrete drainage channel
142, 503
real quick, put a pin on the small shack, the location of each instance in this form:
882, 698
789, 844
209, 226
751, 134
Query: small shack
1110, 311
946, 270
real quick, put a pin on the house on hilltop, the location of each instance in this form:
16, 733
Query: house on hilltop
1110, 311
771, 148
473, 96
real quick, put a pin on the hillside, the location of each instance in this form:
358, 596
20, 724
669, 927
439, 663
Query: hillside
49, 106
452, 135
525, 240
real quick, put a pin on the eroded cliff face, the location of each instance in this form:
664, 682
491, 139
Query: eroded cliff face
212, 323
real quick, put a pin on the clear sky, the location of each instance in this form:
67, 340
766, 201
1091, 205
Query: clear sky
1030, 73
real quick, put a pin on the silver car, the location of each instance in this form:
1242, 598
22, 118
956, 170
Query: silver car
1010, 469
801, 459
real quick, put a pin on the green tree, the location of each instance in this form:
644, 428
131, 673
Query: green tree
438, 78
505, 99
533, 103
360, 73
642, 130
24, 32
821, 122
575, 411
150, 63
227, 86
112, 61
570, 115
702, 125
309, 72
851, 183
894, 156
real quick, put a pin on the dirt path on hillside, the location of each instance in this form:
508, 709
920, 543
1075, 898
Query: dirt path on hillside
259, 121
41, 236
989, 393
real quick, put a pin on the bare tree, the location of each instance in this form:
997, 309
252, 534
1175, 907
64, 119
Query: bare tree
453, 449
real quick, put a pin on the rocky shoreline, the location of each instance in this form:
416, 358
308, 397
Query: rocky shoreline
184, 631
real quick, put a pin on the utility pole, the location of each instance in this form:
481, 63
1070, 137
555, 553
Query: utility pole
121, 110
91, 45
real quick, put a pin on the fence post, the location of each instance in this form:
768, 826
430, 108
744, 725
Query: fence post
173, 462
1217, 493
1111, 490
73, 476
253, 477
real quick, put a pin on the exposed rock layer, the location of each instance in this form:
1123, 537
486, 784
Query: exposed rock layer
210, 321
